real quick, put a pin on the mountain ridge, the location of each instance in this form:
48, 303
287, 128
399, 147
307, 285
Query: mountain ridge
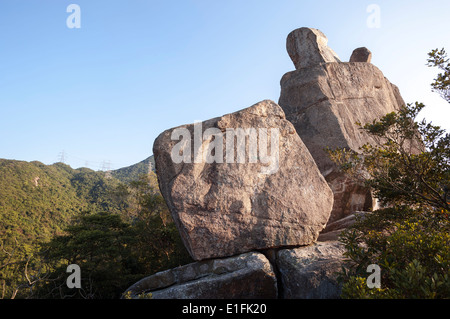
132, 172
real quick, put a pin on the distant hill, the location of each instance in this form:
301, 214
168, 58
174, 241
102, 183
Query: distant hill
37, 201
130, 173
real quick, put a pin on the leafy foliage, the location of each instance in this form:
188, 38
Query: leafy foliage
158, 243
98, 243
438, 58
115, 250
412, 248
409, 164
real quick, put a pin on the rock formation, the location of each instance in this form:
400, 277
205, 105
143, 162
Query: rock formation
324, 101
334, 229
230, 196
249, 275
311, 272
308, 47
361, 55
224, 206
308, 272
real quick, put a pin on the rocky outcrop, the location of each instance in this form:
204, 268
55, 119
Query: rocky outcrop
311, 272
230, 196
361, 55
324, 102
226, 205
308, 272
308, 47
334, 229
249, 275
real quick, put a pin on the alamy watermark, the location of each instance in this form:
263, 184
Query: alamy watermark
374, 280
374, 19
74, 279
74, 19
208, 146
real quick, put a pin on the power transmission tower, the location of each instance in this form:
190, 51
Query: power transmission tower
106, 167
62, 157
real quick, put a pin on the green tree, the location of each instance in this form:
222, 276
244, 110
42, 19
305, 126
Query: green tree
21, 269
438, 58
409, 171
158, 245
408, 165
115, 250
410, 245
99, 243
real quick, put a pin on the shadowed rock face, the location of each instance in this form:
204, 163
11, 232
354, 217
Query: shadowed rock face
249, 275
303, 272
361, 55
324, 101
223, 209
311, 272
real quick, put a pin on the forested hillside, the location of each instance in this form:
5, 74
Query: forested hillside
133, 172
37, 200
42, 206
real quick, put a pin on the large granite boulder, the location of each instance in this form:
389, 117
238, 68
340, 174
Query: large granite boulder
247, 276
324, 101
227, 195
311, 272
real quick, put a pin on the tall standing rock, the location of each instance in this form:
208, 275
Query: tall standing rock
308, 47
324, 100
230, 193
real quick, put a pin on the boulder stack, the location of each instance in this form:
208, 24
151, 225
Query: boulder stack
251, 191
249, 275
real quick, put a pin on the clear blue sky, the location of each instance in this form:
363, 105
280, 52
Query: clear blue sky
105, 91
